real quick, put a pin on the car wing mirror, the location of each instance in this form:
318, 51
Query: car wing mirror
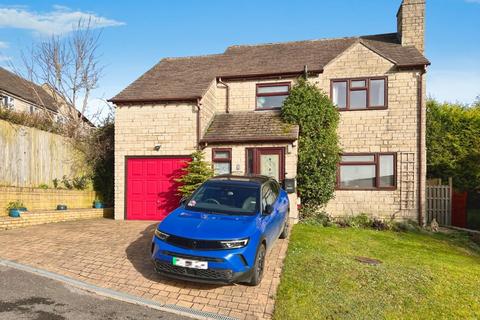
268, 209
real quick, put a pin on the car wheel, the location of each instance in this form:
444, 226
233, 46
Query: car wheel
259, 266
284, 233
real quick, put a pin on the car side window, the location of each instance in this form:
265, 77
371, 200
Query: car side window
266, 195
275, 188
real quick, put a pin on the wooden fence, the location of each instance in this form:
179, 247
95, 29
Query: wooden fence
30, 157
439, 204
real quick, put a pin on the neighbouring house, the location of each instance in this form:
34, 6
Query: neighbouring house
228, 105
21, 95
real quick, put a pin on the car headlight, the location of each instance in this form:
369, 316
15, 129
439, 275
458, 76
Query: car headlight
161, 235
234, 244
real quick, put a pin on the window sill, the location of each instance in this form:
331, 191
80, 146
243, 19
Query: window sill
366, 109
366, 189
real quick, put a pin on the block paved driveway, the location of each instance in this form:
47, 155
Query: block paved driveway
115, 255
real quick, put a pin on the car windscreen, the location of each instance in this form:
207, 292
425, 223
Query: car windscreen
225, 198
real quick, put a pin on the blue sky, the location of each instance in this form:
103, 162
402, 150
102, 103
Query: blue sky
137, 34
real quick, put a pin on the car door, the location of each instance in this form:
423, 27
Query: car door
278, 214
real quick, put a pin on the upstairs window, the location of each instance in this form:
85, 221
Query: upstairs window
359, 94
271, 95
222, 160
375, 171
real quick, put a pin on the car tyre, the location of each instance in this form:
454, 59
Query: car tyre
259, 266
284, 234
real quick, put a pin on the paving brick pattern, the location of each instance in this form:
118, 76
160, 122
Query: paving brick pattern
115, 254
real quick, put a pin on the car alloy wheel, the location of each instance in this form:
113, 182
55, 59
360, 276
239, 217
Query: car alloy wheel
259, 266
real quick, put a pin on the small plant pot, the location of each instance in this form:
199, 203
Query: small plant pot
98, 204
61, 207
14, 213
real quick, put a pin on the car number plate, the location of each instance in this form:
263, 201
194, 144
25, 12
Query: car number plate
194, 264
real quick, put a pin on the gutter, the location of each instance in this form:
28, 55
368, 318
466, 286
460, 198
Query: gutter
277, 75
153, 100
227, 102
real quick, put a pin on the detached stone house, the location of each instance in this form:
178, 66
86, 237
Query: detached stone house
228, 105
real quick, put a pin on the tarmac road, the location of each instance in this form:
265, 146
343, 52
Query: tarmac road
24, 295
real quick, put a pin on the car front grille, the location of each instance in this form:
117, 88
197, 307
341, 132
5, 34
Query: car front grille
188, 256
207, 274
194, 244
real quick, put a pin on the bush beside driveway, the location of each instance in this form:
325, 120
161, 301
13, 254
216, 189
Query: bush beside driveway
115, 255
420, 275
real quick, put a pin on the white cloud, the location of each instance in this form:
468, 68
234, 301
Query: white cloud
453, 86
3, 45
4, 58
473, 1
60, 20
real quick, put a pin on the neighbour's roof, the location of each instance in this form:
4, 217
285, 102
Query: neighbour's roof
188, 78
249, 126
15, 85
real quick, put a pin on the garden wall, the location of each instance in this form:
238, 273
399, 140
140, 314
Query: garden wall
30, 157
45, 199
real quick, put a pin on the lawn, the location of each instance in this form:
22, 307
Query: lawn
422, 276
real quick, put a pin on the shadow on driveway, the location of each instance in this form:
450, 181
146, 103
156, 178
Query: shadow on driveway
138, 253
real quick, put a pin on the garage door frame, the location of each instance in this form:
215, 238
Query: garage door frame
126, 173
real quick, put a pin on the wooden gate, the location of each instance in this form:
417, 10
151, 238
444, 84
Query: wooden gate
439, 204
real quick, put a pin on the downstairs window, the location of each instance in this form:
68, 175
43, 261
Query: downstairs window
375, 171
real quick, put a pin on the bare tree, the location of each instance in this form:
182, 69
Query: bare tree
68, 68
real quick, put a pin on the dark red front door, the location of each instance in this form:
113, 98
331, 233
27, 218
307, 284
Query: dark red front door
151, 187
267, 161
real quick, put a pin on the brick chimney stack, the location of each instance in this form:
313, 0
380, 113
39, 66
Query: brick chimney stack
411, 24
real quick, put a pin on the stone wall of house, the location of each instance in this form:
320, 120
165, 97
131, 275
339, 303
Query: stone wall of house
394, 129
242, 94
239, 163
139, 128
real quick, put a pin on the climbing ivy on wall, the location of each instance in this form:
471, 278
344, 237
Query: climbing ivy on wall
318, 147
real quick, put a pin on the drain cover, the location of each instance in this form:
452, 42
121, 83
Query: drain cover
370, 261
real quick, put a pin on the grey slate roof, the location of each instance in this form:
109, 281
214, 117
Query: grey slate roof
249, 126
188, 78
15, 85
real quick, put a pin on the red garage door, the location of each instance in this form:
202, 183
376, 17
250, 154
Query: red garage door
151, 187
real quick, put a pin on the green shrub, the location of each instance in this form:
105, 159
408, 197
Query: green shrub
41, 120
196, 172
319, 218
453, 143
80, 183
318, 149
43, 186
67, 183
15, 205
56, 184
361, 221
406, 226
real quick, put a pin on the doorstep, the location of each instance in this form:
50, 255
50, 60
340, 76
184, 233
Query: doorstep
36, 217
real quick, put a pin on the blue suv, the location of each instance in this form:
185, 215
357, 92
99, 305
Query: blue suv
223, 231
